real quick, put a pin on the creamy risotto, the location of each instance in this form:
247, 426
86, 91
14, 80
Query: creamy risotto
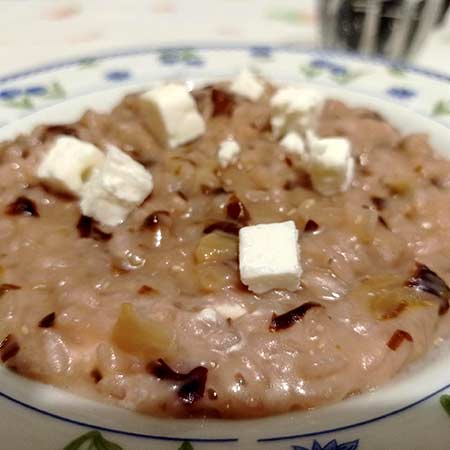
148, 309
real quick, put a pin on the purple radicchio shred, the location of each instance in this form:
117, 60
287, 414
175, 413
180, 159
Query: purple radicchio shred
192, 387
22, 206
225, 226
88, 229
6, 287
378, 202
84, 226
8, 348
96, 375
223, 102
47, 321
383, 222
302, 180
311, 226
236, 210
289, 318
212, 190
424, 279
146, 290
397, 338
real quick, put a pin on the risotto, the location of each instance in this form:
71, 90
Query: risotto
151, 314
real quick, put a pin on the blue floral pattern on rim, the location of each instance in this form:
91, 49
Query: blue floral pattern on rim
332, 445
23, 98
337, 72
401, 92
261, 51
117, 75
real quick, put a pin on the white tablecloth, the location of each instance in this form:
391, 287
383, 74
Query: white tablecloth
37, 31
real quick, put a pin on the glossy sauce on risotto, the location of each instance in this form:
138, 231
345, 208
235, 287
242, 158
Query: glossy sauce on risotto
152, 315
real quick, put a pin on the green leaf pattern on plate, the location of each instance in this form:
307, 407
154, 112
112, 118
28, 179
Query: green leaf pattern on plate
55, 91
445, 402
441, 108
23, 102
396, 71
340, 76
94, 440
310, 72
186, 446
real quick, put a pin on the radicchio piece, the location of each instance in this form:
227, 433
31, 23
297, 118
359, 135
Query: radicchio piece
194, 389
289, 318
22, 206
424, 279
378, 202
226, 227
145, 290
223, 102
397, 338
96, 375
84, 226
209, 190
6, 287
9, 348
311, 226
236, 210
383, 222
47, 321
193, 384
394, 312
302, 180
87, 229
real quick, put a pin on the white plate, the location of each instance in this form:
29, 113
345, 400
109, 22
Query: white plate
402, 415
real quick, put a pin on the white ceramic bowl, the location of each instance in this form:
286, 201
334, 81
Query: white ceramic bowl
403, 414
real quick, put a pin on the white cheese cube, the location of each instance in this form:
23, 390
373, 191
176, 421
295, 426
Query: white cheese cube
172, 115
295, 109
294, 143
331, 164
68, 164
228, 152
247, 85
269, 257
116, 188
231, 310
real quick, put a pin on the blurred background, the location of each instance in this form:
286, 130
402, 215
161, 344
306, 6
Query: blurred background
36, 31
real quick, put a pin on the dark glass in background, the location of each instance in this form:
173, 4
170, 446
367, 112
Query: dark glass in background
393, 28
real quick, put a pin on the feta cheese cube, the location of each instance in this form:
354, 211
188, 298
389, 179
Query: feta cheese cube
247, 85
172, 115
294, 143
295, 109
331, 164
68, 164
228, 152
269, 257
115, 188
